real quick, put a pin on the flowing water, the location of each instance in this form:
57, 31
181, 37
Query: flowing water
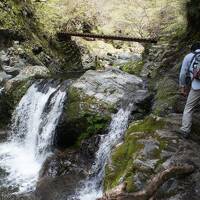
92, 186
1, 90
32, 133
31, 136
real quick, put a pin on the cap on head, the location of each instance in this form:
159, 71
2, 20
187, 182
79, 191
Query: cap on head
195, 46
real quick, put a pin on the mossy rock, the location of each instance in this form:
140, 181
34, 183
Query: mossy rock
122, 167
166, 96
133, 67
9, 101
82, 118
16, 93
94, 124
73, 131
80, 103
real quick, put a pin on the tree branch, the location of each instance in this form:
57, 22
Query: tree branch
152, 186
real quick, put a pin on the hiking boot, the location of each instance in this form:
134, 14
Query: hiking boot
186, 135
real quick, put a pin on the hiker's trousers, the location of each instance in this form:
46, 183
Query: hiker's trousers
192, 102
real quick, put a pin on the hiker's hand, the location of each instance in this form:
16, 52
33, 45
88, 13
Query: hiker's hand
183, 91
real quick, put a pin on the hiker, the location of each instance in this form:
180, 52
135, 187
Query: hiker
190, 69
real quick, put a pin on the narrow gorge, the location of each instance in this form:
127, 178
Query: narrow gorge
88, 119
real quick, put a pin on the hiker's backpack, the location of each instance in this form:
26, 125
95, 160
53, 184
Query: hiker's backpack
195, 66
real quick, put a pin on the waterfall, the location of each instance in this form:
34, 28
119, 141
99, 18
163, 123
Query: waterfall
92, 186
31, 136
1, 90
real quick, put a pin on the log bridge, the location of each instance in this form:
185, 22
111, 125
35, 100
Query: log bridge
64, 36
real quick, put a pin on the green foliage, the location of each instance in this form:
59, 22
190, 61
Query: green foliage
133, 67
18, 16
95, 124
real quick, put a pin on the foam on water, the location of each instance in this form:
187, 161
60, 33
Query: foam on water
33, 127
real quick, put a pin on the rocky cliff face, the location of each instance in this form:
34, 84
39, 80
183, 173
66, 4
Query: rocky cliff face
27, 52
20, 23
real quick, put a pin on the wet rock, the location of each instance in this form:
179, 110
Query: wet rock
56, 188
146, 165
27, 73
157, 151
61, 175
3, 135
11, 70
63, 163
4, 77
89, 147
150, 148
107, 88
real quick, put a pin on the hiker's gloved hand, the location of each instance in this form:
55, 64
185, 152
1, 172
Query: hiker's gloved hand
183, 91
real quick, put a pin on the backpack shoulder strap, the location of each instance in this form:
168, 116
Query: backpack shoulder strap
193, 57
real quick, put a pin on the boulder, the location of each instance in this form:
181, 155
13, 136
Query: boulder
61, 175
92, 99
151, 146
15, 88
26, 74
104, 91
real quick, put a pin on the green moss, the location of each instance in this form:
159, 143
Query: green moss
166, 96
9, 101
121, 162
133, 67
149, 125
18, 16
123, 157
85, 116
73, 107
79, 104
17, 92
94, 124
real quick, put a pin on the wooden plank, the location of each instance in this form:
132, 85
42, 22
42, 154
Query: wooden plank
67, 35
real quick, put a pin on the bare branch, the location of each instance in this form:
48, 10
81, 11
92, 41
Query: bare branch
152, 186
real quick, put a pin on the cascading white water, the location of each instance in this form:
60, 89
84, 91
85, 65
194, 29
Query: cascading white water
33, 127
92, 186
1, 90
